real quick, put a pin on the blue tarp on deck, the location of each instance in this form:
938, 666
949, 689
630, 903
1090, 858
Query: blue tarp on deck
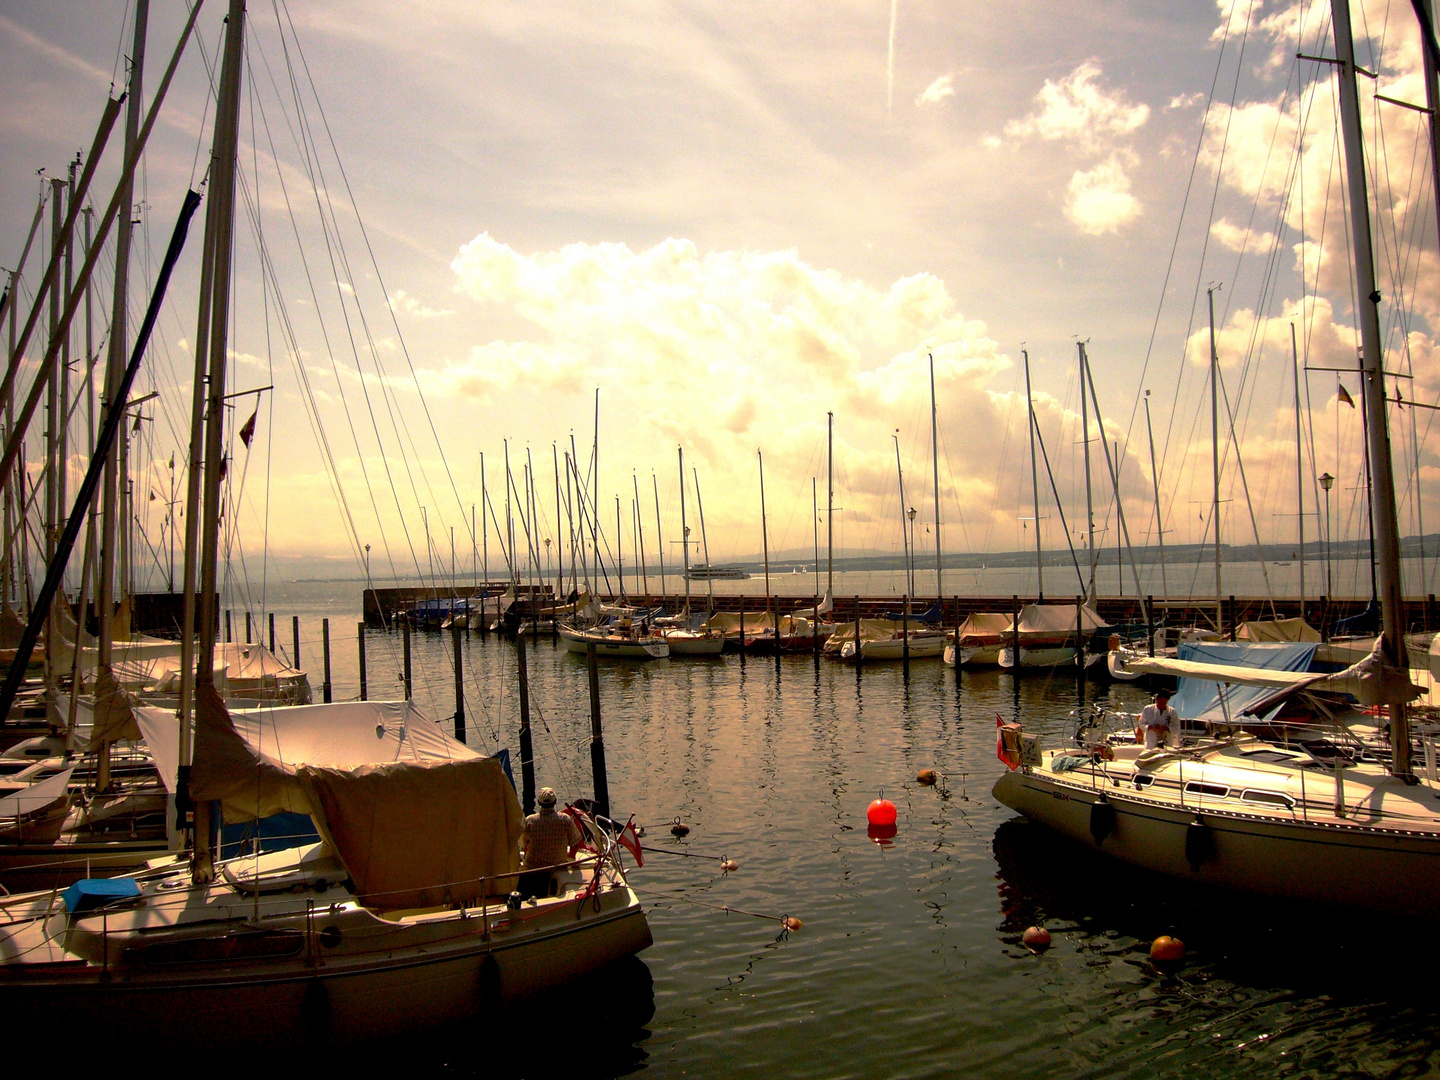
1199, 699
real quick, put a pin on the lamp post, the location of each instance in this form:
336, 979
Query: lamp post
367, 564
1327, 482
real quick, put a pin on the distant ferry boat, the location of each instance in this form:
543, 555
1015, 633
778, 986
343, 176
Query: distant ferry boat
701, 572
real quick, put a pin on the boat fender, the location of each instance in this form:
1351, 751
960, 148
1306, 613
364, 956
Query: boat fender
315, 1011
489, 984
1102, 820
1036, 939
1199, 844
679, 828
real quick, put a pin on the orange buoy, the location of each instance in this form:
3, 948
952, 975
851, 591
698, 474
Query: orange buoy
881, 812
1036, 938
1167, 950
679, 828
729, 864
926, 777
791, 923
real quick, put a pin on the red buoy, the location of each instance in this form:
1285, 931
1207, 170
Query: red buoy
1036, 938
1167, 950
881, 812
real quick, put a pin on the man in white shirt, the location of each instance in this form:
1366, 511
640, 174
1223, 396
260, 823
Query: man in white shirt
1159, 723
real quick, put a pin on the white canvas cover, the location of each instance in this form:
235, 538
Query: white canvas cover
1059, 619
728, 622
1276, 630
983, 624
247, 759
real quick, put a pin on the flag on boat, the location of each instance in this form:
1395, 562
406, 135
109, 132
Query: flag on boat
1007, 742
248, 431
630, 839
1344, 394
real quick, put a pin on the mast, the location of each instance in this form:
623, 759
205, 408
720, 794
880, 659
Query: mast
765, 540
1089, 501
935, 470
904, 536
659, 541
559, 547
1155, 480
640, 535
1215, 456
705, 541
684, 532
222, 195
1384, 526
815, 525
115, 369
484, 531
829, 505
1034, 477
619, 550
1299, 464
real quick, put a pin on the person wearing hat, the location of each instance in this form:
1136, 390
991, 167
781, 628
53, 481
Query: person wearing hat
1159, 723
549, 839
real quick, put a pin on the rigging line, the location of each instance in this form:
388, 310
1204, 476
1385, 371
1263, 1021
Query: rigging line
1069, 541
1245, 485
1210, 217
298, 362
365, 237
1180, 222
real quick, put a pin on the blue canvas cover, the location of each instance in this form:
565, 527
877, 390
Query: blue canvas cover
1199, 699
90, 893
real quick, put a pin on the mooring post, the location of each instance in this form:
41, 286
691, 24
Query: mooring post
1015, 634
815, 629
406, 674
247, 626
228, 635
527, 754
272, 632
325, 691
364, 693
742, 631
459, 683
597, 736
1150, 623
295, 635
857, 631
1234, 621
905, 634
1080, 635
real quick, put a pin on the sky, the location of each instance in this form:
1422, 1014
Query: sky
734, 220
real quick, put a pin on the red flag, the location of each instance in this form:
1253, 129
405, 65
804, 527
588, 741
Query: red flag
248, 431
1007, 749
1344, 394
631, 841
224, 467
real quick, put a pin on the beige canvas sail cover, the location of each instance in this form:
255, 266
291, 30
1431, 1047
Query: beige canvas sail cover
414, 836
417, 818
1276, 630
983, 624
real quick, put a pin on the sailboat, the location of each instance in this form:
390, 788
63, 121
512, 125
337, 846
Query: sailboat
400, 917
1286, 822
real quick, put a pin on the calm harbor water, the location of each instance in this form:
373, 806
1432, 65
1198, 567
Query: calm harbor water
909, 962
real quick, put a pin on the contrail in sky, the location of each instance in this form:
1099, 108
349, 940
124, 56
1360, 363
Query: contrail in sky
890, 62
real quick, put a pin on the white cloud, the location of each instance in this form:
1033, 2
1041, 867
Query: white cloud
1237, 239
1078, 107
403, 301
1099, 200
937, 91
1185, 101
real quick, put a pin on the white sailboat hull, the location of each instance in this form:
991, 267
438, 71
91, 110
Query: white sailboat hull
1324, 860
614, 646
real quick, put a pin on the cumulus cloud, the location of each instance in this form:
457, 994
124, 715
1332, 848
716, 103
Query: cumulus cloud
728, 351
937, 91
403, 301
1237, 239
1099, 201
1184, 101
1078, 107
